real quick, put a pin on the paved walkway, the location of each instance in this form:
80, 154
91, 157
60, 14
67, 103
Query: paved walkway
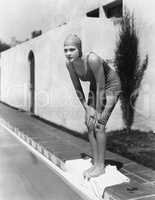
58, 145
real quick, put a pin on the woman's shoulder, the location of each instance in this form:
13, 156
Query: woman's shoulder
94, 61
68, 65
92, 57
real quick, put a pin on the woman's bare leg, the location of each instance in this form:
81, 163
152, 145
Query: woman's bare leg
101, 137
94, 151
99, 167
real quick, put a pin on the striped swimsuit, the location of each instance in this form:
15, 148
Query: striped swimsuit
112, 82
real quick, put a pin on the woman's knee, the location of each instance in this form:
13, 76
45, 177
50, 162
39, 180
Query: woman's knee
100, 128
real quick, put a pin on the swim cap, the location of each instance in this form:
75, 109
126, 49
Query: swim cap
73, 40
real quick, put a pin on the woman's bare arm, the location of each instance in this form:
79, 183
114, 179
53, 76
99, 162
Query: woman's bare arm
96, 65
77, 85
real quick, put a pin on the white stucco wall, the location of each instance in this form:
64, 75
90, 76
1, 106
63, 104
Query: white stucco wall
145, 24
14, 74
55, 97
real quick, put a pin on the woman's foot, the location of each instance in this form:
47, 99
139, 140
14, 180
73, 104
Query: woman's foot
97, 171
86, 173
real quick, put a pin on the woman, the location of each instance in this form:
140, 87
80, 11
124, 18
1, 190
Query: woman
103, 95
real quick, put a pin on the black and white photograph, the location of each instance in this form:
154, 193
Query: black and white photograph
77, 100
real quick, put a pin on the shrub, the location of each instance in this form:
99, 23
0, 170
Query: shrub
130, 70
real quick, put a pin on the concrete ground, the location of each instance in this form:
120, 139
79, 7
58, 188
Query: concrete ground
58, 145
23, 176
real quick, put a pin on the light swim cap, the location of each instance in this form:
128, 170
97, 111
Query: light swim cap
73, 40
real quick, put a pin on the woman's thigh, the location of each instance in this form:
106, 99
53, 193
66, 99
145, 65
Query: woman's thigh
111, 101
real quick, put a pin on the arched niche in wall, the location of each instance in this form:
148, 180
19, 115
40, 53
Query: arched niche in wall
31, 59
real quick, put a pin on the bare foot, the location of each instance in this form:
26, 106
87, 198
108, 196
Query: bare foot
97, 171
86, 173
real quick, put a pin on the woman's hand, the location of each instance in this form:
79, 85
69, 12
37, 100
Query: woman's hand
90, 117
100, 124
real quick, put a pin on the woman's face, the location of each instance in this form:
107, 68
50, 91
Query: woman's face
71, 53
